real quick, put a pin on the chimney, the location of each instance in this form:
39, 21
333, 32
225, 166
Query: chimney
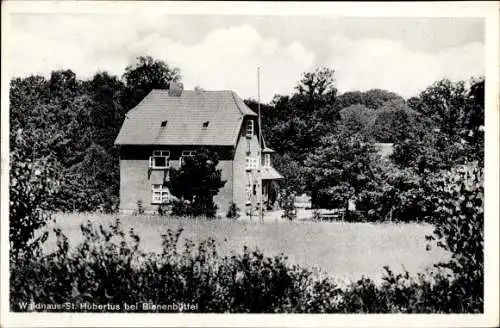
175, 89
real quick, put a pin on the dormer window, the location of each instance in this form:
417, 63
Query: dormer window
186, 153
249, 131
267, 160
160, 159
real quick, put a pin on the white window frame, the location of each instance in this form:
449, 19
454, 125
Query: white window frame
159, 154
248, 194
249, 129
159, 194
251, 163
267, 160
186, 153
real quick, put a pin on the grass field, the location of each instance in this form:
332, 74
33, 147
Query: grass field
344, 250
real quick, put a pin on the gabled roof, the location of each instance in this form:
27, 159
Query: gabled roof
183, 118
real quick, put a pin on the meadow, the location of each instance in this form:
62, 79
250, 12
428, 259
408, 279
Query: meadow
345, 251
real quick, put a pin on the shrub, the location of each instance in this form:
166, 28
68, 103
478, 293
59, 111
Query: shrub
108, 267
233, 212
32, 187
459, 229
288, 206
195, 184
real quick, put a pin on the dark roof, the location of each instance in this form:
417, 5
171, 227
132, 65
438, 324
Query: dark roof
185, 115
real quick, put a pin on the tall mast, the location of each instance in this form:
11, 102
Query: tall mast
261, 201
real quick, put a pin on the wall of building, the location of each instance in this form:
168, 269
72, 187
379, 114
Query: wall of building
135, 185
244, 147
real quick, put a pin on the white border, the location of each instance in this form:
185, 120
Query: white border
487, 10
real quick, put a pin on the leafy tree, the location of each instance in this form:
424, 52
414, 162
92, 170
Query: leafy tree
446, 103
147, 74
316, 93
339, 169
358, 118
395, 122
195, 184
375, 98
33, 184
372, 99
459, 229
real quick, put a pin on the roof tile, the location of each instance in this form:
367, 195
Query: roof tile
185, 115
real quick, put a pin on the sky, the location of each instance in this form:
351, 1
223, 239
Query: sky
222, 52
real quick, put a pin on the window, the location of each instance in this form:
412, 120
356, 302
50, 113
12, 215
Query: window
160, 159
205, 124
249, 132
164, 123
251, 163
186, 153
248, 191
161, 194
267, 160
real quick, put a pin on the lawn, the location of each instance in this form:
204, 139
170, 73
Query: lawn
344, 250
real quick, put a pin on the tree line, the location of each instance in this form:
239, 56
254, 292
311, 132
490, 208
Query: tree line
324, 140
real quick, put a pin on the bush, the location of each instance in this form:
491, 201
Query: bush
109, 269
233, 212
195, 184
32, 187
459, 229
288, 206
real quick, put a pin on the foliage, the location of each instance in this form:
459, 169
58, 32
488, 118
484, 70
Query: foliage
339, 169
394, 122
109, 269
288, 206
195, 184
75, 123
147, 74
459, 228
233, 212
33, 185
358, 118
372, 99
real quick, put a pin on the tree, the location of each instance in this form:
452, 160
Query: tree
195, 184
445, 102
147, 74
358, 118
375, 98
339, 169
316, 91
459, 229
395, 122
33, 184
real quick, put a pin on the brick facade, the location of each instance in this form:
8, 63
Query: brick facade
136, 185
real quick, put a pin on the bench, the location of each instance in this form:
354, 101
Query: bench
333, 215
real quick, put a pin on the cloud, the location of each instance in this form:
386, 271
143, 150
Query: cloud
386, 64
228, 59
224, 59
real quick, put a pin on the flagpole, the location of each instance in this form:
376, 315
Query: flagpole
261, 213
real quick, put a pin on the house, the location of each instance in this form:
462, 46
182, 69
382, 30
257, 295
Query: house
168, 125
